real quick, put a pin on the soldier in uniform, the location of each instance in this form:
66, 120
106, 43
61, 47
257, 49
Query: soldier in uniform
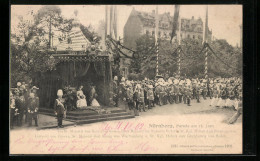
115, 91
159, 93
210, 91
185, 93
204, 91
177, 91
136, 97
60, 108
197, 88
122, 93
224, 96
188, 95
181, 91
164, 88
171, 94
20, 105
141, 99
129, 96
150, 96
33, 106
215, 96
12, 110
219, 102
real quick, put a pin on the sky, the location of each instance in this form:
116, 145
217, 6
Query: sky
224, 20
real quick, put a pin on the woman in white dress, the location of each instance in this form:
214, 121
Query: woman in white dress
81, 102
93, 96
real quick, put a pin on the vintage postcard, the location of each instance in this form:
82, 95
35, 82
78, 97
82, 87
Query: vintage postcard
126, 79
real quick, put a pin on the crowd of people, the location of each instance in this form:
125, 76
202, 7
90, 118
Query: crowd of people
146, 94
24, 105
134, 95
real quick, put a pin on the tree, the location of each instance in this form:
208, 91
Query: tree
48, 18
225, 62
29, 55
226, 59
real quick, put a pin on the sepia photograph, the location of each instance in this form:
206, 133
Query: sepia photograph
126, 79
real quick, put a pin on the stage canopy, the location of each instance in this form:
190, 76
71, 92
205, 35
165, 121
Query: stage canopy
75, 70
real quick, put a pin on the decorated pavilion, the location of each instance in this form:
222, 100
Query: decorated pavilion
79, 62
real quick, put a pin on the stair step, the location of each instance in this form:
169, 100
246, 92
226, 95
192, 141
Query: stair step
96, 116
104, 119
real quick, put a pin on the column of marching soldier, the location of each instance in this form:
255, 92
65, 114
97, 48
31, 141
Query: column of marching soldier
146, 94
24, 105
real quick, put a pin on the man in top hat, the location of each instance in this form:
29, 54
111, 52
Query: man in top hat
60, 108
33, 106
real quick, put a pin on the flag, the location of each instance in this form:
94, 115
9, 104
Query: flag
175, 20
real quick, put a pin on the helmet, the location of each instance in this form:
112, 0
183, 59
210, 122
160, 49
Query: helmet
59, 93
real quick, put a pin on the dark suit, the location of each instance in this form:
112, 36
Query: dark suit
33, 105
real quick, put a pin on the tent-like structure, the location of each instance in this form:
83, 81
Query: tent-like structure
77, 64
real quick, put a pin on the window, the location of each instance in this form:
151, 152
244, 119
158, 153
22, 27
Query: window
181, 35
193, 36
159, 33
153, 33
188, 36
147, 32
69, 40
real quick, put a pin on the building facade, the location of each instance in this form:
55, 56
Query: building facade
140, 23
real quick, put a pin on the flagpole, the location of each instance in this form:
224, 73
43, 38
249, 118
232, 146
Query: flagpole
106, 8
179, 46
111, 21
115, 21
156, 40
205, 42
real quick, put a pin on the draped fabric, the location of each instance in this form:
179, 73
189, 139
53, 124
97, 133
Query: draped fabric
74, 74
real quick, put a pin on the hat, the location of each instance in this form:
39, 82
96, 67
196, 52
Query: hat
160, 80
150, 86
31, 94
115, 78
16, 90
122, 79
34, 87
59, 93
18, 84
